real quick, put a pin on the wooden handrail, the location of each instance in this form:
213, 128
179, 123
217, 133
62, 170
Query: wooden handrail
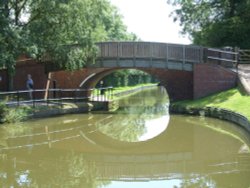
150, 50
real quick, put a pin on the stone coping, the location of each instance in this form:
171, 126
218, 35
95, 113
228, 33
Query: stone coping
214, 112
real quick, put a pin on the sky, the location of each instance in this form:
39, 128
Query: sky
150, 21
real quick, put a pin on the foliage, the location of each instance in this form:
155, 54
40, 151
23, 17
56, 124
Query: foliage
12, 115
215, 23
11, 35
72, 170
2, 110
65, 170
128, 77
204, 182
57, 25
129, 129
134, 115
232, 99
64, 31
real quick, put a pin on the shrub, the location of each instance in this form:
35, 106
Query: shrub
13, 115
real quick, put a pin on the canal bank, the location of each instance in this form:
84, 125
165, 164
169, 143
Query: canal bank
213, 112
229, 105
85, 107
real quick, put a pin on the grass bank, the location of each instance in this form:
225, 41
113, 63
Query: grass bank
231, 99
129, 88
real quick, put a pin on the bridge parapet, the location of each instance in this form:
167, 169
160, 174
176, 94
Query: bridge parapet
161, 53
186, 53
225, 57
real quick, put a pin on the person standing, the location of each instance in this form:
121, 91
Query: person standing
30, 85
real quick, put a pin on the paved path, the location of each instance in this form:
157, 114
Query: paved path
244, 76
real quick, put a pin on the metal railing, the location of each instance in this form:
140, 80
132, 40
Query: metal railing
55, 96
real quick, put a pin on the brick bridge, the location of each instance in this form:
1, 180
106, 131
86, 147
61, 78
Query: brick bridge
186, 71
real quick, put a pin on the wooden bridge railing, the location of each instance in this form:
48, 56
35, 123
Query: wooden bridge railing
222, 57
164, 52
244, 56
148, 50
172, 52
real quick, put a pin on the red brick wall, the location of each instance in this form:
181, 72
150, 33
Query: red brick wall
37, 72
205, 80
179, 84
22, 70
210, 78
68, 79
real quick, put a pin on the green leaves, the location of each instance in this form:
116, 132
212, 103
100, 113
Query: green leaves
215, 23
64, 30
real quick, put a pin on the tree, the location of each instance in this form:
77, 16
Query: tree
58, 25
65, 31
11, 34
215, 23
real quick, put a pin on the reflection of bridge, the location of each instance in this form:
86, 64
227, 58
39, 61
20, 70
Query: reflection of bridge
164, 166
149, 160
186, 71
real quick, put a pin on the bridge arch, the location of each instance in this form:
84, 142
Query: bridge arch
179, 84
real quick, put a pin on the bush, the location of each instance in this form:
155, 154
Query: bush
12, 115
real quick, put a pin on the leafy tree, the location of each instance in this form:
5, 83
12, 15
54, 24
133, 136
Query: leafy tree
215, 23
64, 31
11, 34
58, 25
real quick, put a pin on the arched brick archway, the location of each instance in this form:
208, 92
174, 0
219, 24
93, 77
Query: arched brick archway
179, 84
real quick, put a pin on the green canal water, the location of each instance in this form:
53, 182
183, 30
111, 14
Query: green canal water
139, 145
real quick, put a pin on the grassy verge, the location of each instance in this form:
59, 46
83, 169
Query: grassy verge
231, 99
127, 88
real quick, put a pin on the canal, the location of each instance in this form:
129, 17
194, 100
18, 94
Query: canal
139, 145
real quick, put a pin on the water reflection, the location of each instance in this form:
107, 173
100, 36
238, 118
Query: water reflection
71, 151
140, 117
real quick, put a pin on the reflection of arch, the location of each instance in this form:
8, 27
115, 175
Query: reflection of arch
141, 161
96, 138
